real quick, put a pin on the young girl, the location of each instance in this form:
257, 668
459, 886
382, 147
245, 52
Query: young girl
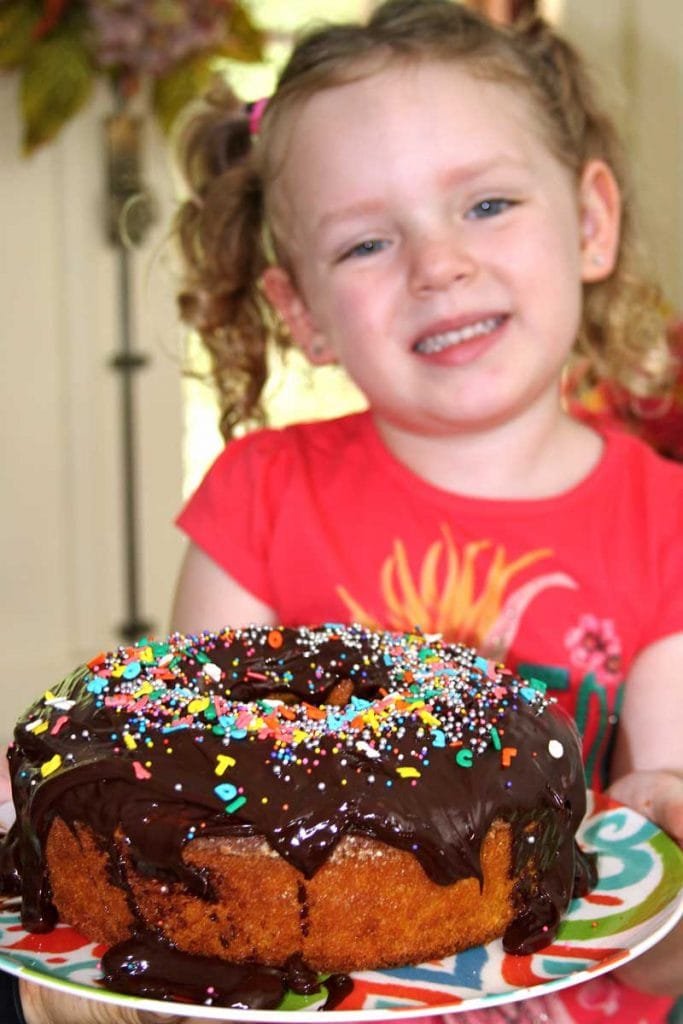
441, 207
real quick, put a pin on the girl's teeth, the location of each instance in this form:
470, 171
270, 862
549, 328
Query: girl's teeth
438, 342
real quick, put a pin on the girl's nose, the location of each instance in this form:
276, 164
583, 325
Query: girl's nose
438, 262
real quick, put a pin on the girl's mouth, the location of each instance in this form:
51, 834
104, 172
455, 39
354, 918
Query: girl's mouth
442, 340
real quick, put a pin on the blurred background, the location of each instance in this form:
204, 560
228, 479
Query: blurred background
102, 433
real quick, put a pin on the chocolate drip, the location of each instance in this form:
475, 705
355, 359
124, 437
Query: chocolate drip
148, 967
433, 746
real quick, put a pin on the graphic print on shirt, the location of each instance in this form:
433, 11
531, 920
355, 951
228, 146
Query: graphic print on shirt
594, 646
452, 594
445, 597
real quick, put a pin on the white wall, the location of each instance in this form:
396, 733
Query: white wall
61, 540
636, 48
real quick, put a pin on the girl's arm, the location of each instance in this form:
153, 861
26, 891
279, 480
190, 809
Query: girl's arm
207, 597
647, 774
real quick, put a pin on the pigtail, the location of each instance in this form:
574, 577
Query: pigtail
622, 337
220, 233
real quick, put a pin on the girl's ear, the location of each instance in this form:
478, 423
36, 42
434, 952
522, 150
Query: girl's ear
600, 213
285, 297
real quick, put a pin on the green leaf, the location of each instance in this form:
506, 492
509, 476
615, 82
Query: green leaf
185, 82
17, 21
57, 80
245, 41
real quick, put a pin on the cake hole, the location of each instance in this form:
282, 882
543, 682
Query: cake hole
340, 694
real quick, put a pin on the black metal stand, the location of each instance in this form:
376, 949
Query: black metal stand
129, 217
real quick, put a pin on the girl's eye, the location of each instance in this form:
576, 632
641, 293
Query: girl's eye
489, 208
366, 248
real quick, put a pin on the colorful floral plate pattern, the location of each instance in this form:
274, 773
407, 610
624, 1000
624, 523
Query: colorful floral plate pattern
639, 898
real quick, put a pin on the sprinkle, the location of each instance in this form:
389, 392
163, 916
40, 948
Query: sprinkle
366, 749
141, 772
506, 756
464, 758
495, 738
275, 638
48, 767
370, 718
97, 685
555, 749
195, 707
129, 741
61, 703
438, 738
226, 791
408, 773
224, 761
61, 721
144, 689
235, 805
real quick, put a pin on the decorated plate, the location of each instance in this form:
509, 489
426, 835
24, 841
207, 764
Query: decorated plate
639, 898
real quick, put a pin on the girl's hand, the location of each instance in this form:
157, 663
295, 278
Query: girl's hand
656, 795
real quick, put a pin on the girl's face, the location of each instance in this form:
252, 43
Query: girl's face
438, 246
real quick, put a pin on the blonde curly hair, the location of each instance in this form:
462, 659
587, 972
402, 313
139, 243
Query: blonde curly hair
228, 234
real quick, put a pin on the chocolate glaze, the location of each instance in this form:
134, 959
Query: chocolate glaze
434, 745
147, 967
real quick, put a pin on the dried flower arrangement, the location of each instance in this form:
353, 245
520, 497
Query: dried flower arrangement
60, 48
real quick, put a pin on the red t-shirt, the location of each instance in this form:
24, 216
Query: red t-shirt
322, 523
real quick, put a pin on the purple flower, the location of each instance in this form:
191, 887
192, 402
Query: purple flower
149, 37
594, 646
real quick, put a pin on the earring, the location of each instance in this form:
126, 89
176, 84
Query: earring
316, 348
597, 259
